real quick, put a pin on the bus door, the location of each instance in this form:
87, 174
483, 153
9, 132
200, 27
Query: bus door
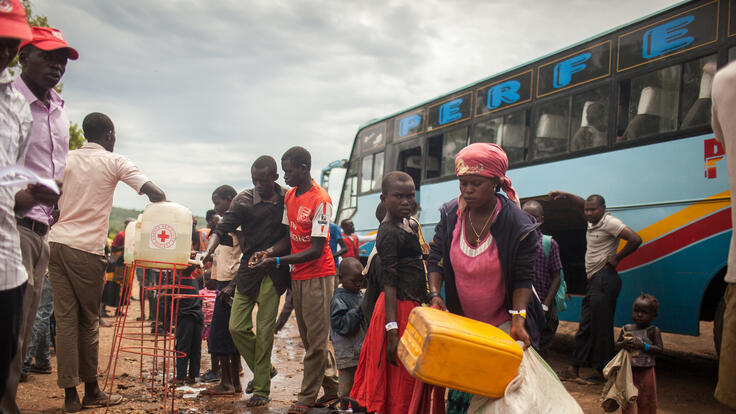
410, 159
567, 226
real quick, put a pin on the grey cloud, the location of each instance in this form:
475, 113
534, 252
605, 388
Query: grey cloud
198, 89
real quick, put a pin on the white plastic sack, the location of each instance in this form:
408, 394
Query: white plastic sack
535, 389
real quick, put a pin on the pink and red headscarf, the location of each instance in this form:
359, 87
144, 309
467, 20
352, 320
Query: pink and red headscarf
486, 160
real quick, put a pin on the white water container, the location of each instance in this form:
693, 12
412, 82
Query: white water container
165, 236
130, 238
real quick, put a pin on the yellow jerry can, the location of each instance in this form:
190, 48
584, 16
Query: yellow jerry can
452, 351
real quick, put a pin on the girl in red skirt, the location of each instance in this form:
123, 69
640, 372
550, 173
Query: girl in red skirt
382, 384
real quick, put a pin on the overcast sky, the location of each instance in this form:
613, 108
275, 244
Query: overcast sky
199, 89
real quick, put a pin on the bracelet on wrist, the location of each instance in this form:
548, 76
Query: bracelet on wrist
391, 326
520, 312
278, 261
647, 347
434, 295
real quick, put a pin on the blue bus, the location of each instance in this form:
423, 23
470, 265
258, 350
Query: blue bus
625, 114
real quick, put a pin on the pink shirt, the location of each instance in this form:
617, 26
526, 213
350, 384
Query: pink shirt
478, 277
49, 142
90, 179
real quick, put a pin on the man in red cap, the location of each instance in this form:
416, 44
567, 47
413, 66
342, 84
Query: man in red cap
16, 120
43, 59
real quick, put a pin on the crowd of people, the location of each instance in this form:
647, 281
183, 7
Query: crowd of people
488, 260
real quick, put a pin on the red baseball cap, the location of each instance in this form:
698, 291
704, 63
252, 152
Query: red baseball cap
48, 38
13, 22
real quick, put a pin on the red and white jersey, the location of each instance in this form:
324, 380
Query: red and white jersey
307, 216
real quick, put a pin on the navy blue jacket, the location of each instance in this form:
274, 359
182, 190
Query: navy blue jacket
346, 323
513, 231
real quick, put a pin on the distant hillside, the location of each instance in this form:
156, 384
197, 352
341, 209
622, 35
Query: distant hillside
118, 216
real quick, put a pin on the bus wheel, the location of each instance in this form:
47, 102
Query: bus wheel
718, 324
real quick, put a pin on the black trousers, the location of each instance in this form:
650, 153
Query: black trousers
220, 341
11, 317
188, 341
594, 343
547, 336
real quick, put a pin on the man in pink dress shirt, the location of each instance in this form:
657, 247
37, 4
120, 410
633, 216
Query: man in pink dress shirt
78, 262
43, 60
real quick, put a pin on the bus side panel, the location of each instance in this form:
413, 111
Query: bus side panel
677, 280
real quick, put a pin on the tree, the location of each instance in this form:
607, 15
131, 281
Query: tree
76, 137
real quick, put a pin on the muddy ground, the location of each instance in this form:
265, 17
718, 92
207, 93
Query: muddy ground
686, 377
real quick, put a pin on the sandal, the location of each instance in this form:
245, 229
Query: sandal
249, 387
326, 400
216, 391
298, 408
257, 401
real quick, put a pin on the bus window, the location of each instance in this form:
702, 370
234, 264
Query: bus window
377, 170
552, 128
513, 136
350, 192
441, 151
434, 154
697, 78
590, 119
410, 162
488, 131
454, 142
652, 104
371, 172
508, 131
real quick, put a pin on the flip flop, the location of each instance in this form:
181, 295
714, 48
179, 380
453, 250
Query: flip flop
257, 401
298, 408
326, 400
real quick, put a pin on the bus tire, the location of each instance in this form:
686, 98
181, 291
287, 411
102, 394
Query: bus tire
718, 324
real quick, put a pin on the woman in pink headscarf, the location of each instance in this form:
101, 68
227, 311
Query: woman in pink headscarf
484, 248
483, 253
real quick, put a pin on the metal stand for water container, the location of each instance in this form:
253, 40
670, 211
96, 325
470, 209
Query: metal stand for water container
155, 348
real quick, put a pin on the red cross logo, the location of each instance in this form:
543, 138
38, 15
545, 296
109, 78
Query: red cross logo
163, 236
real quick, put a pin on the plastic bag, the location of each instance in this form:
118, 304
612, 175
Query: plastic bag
535, 389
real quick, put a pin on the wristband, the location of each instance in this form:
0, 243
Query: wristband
391, 326
521, 312
646, 347
278, 261
434, 295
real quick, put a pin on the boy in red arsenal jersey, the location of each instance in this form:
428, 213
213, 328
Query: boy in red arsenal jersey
308, 209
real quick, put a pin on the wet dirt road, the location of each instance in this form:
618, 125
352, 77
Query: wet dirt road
686, 377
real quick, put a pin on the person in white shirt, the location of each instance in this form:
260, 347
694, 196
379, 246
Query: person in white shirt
15, 126
78, 262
